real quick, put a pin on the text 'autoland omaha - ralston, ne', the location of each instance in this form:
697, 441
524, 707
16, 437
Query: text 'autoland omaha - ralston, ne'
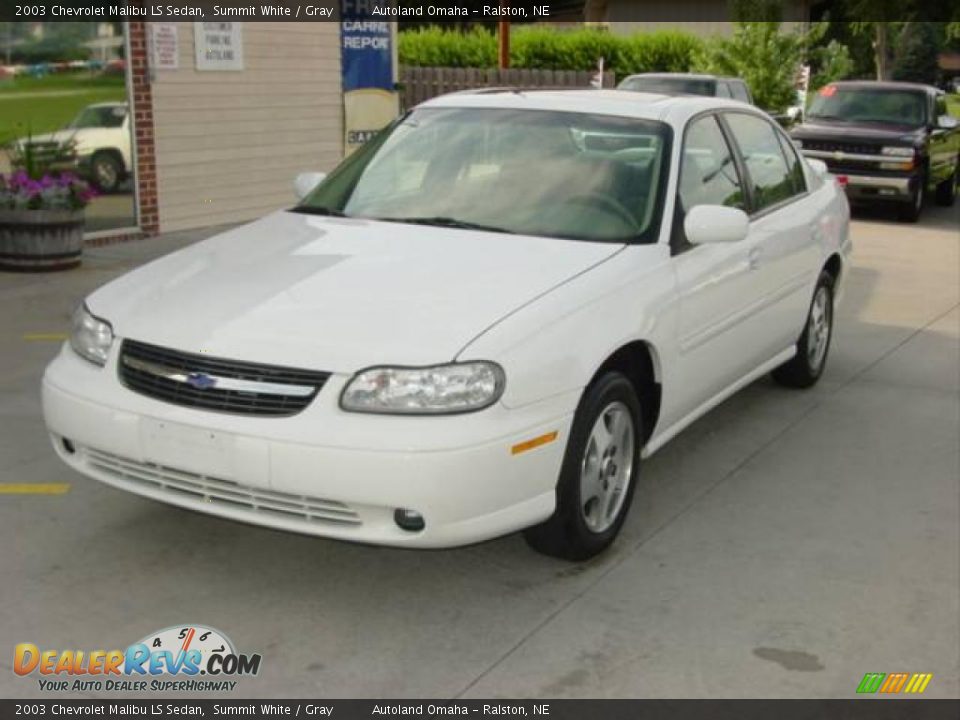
486, 11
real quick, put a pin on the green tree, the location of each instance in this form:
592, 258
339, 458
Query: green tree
915, 59
767, 59
829, 62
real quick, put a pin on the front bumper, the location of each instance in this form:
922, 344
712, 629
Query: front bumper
869, 187
865, 181
322, 472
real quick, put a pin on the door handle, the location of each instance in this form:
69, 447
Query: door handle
753, 258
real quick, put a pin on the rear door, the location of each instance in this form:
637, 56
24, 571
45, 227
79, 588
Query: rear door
784, 227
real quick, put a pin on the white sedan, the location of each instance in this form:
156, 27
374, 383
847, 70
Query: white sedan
482, 321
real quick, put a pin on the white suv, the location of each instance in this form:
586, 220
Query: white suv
100, 135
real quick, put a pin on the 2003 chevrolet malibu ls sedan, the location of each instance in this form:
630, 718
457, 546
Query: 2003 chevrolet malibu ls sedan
482, 321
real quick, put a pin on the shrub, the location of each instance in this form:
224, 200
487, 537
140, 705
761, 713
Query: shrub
663, 51
548, 49
435, 47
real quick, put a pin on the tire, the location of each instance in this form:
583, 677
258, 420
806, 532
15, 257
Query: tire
602, 458
805, 368
106, 171
911, 211
946, 193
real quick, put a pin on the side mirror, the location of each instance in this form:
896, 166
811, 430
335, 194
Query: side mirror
947, 122
819, 167
706, 224
306, 182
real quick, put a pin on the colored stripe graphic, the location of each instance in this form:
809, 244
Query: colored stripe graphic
918, 683
871, 682
894, 682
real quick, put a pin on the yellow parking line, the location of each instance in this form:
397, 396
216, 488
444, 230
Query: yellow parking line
34, 488
41, 337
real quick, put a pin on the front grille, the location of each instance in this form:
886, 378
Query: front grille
208, 383
217, 492
849, 148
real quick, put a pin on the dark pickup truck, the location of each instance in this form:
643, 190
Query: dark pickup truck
886, 141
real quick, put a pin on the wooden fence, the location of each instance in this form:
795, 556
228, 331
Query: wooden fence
422, 83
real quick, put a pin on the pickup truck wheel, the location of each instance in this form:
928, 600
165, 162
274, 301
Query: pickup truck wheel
947, 190
910, 211
805, 368
598, 475
106, 171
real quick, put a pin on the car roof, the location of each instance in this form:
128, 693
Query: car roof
888, 85
690, 76
623, 103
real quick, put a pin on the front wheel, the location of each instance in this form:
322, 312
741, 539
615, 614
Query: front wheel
947, 190
806, 367
106, 171
598, 475
911, 210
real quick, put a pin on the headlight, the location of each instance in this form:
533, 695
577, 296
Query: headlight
898, 151
90, 337
437, 390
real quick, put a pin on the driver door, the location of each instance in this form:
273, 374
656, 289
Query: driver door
719, 289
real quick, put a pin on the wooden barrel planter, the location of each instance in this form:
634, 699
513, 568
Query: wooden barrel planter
40, 240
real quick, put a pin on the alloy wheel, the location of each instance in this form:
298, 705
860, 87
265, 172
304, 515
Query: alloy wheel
607, 467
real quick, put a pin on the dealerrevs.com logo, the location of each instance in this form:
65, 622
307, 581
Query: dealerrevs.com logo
178, 658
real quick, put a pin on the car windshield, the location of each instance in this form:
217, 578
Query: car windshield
531, 172
872, 105
670, 85
102, 116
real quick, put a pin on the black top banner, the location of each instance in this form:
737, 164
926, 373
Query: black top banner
445, 11
865, 709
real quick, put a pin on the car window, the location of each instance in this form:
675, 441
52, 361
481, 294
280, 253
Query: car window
770, 178
869, 105
941, 106
100, 116
793, 164
553, 174
723, 89
708, 174
739, 90
669, 85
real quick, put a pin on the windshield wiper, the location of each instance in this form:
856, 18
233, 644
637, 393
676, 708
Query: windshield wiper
316, 210
818, 116
441, 221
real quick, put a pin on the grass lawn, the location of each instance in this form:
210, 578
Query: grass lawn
953, 104
40, 105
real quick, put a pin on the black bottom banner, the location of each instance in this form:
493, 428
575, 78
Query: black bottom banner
854, 709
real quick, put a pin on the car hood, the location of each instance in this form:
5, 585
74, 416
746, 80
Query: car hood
338, 294
856, 132
59, 136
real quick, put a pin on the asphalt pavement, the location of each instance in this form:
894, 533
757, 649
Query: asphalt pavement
783, 546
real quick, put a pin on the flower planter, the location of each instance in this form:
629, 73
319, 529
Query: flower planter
40, 240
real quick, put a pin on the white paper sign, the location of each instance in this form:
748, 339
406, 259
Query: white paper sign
164, 46
219, 45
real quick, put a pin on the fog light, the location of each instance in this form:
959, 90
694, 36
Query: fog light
68, 447
409, 520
